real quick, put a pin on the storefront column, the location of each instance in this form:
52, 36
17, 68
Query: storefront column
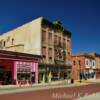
15, 71
35, 69
36, 73
58, 75
43, 79
49, 77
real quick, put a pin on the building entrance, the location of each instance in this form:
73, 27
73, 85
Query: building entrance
5, 76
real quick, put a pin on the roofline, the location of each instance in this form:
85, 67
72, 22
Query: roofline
52, 25
83, 54
95, 54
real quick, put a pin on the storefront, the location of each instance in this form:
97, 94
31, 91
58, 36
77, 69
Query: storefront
54, 72
18, 68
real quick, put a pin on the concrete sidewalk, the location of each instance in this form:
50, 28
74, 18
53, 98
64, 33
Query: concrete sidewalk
17, 88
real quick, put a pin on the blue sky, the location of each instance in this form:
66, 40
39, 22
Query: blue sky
81, 17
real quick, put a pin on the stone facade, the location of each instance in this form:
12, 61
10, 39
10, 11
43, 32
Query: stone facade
45, 38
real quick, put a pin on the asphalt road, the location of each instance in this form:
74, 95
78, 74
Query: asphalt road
58, 93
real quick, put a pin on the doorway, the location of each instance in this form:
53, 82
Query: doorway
5, 76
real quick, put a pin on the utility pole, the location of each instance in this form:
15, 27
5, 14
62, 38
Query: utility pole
79, 71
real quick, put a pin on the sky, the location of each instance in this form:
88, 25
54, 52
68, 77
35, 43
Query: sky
81, 17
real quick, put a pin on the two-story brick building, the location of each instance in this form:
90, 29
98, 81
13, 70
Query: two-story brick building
84, 66
97, 61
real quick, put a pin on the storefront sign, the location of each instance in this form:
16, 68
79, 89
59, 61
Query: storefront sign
20, 67
24, 66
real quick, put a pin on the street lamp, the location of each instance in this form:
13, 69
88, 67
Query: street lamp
79, 70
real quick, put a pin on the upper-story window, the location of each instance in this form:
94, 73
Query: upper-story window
79, 62
4, 43
44, 51
12, 41
93, 64
68, 43
59, 41
86, 62
64, 42
55, 39
1, 43
68, 53
74, 62
43, 36
50, 52
50, 37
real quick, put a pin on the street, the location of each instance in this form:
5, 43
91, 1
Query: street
63, 92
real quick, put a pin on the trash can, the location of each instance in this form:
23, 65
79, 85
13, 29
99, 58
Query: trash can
72, 81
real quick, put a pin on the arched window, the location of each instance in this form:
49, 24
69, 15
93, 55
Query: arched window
12, 41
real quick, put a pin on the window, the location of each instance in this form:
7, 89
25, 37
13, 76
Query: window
50, 52
1, 44
93, 63
86, 62
50, 59
68, 44
64, 43
59, 41
12, 41
4, 43
68, 41
79, 62
44, 58
43, 36
74, 63
68, 53
50, 36
55, 39
43, 50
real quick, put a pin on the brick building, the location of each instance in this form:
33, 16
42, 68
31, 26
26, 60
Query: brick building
97, 61
84, 66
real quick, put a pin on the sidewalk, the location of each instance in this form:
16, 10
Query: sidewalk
65, 83
94, 96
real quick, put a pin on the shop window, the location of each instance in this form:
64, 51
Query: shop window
67, 41
23, 76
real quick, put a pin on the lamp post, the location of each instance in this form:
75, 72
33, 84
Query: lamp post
79, 71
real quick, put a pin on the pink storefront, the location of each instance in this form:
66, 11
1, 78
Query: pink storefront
18, 68
25, 70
